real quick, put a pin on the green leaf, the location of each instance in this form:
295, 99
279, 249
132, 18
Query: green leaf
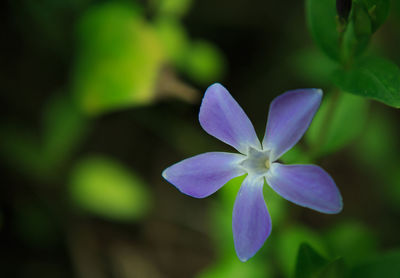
335, 269
338, 122
309, 262
296, 156
352, 240
64, 128
312, 66
204, 63
23, 151
379, 143
288, 244
174, 8
344, 41
378, 11
106, 188
321, 19
385, 265
119, 58
357, 34
371, 77
173, 38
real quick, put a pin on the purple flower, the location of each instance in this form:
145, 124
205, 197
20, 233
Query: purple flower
310, 186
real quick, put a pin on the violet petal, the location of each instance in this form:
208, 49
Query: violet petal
222, 117
251, 222
306, 185
201, 175
289, 116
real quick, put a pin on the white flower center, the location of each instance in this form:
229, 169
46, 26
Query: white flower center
257, 162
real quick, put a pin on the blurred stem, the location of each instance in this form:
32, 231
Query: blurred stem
169, 85
326, 122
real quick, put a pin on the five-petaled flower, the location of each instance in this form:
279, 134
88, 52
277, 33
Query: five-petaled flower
310, 186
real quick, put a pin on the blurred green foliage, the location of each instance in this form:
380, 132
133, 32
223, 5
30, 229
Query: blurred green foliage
173, 8
121, 55
372, 77
236, 269
106, 188
340, 119
345, 42
288, 243
384, 265
324, 32
310, 264
352, 241
118, 61
63, 128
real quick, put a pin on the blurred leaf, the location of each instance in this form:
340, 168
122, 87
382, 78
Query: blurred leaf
378, 11
104, 187
372, 77
324, 32
378, 150
22, 151
288, 245
204, 63
233, 268
385, 265
119, 58
309, 262
313, 66
379, 141
343, 41
64, 129
340, 120
277, 206
357, 33
335, 269
173, 38
352, 241
296, 156
392, 176
173, 7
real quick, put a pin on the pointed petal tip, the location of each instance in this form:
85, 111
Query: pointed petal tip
216, 84
336, 210
306, 185
251, 222
215, 87
222, 117
242, 259
201, 175
318, 91
164, 174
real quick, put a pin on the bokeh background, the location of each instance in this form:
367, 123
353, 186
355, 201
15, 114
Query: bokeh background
98, 97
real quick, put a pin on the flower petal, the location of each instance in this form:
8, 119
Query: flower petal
306, 185
202, 175
289, 116
251, 222
222, 117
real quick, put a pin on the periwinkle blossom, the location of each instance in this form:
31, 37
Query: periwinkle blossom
310, 186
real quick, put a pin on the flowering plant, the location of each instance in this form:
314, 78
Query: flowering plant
310, 186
